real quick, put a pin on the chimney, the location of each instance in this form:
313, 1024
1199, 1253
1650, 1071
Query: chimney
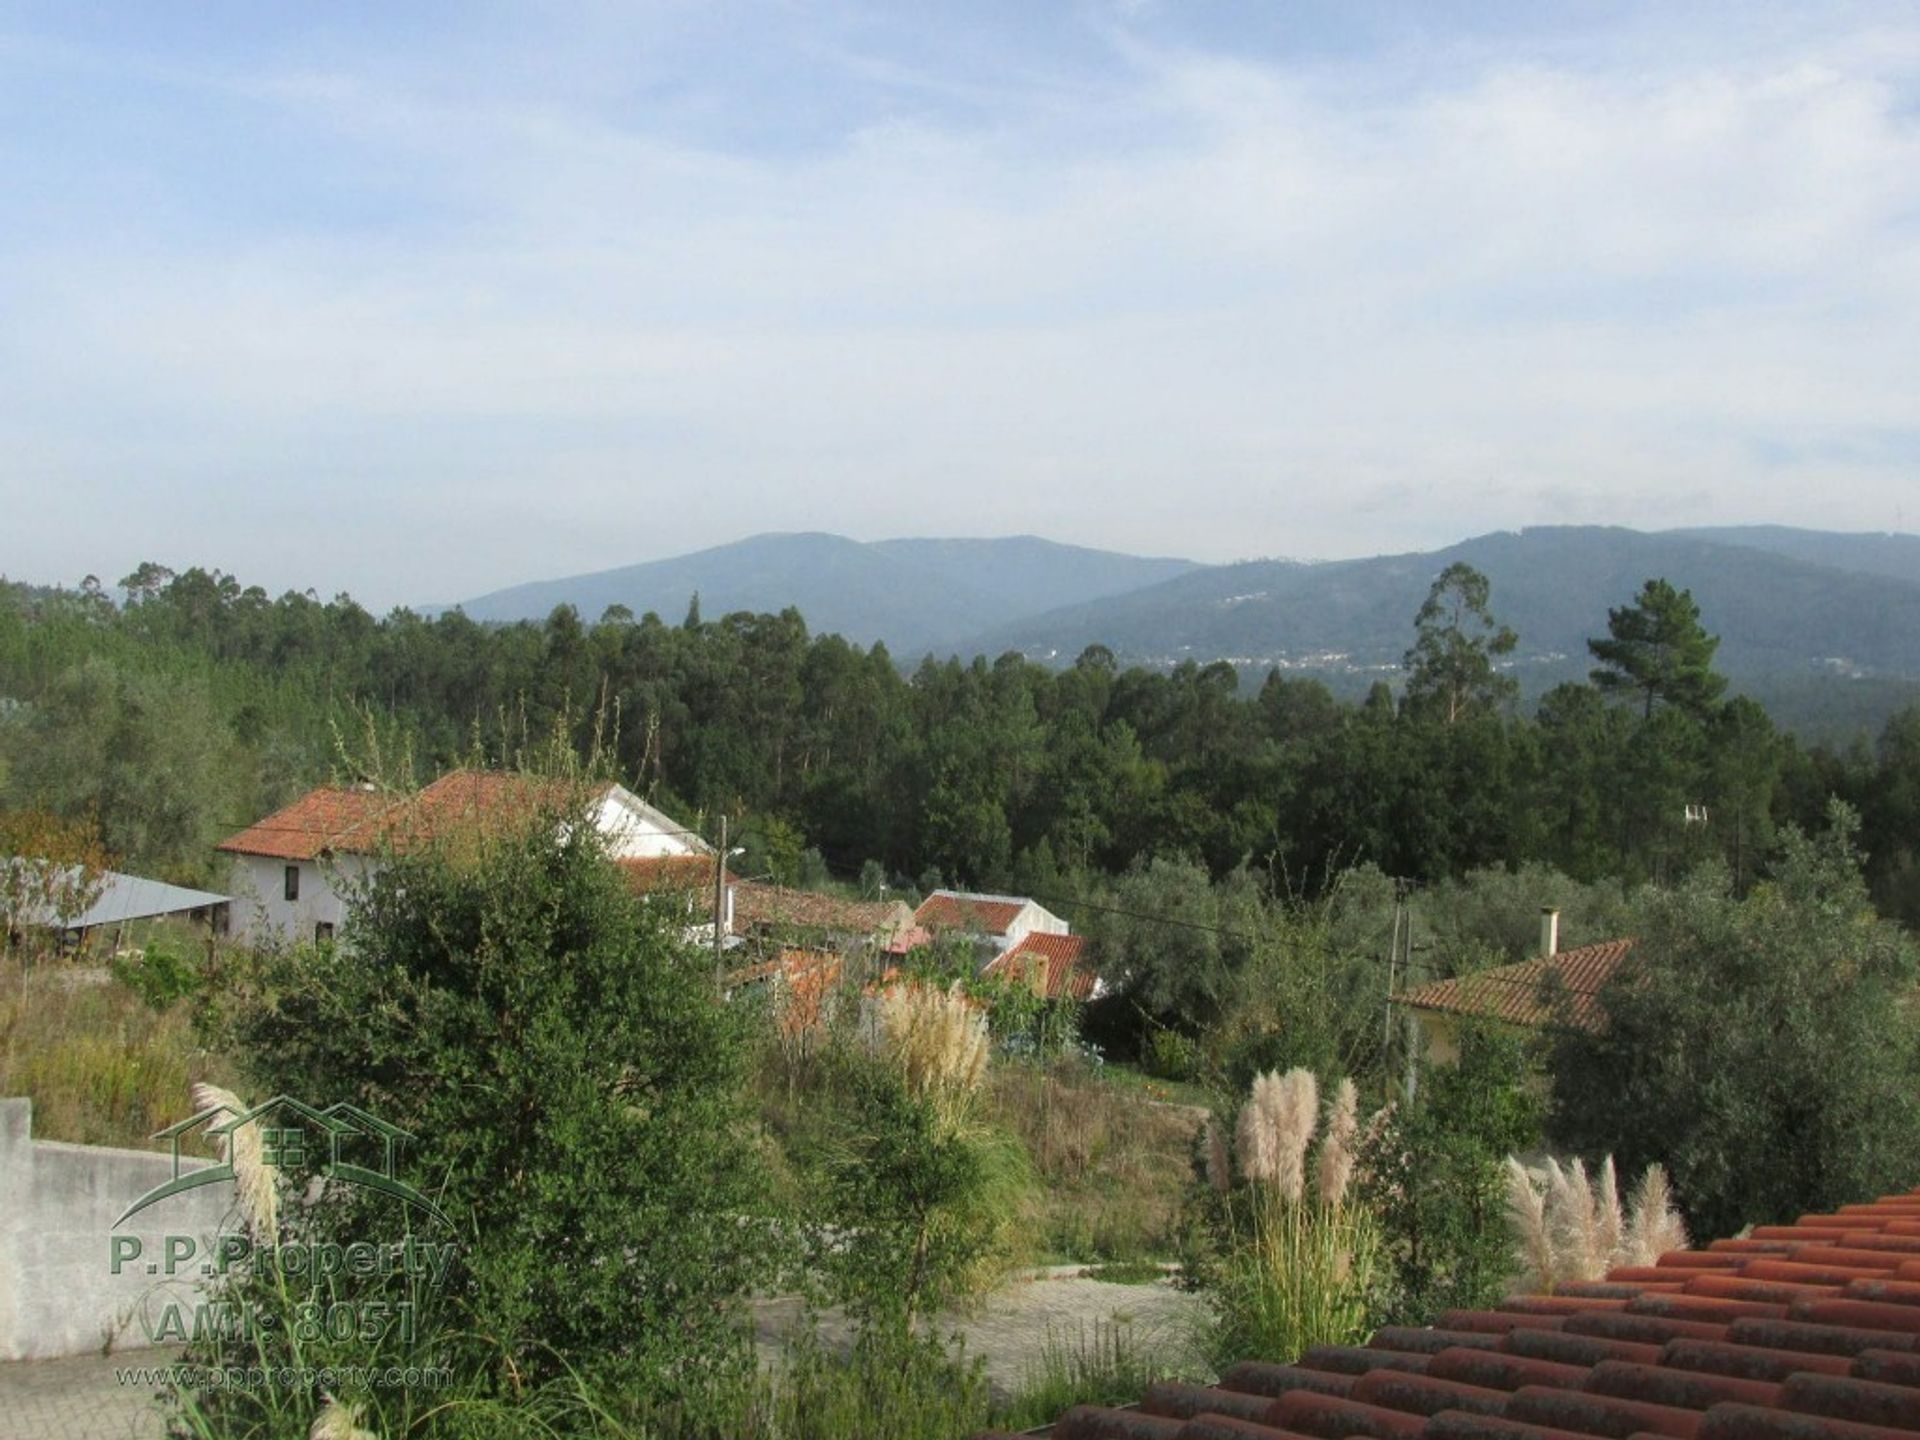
1549, 932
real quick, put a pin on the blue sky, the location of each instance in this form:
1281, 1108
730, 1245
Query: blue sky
418, 300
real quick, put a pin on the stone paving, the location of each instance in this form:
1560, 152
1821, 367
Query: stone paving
81, 1398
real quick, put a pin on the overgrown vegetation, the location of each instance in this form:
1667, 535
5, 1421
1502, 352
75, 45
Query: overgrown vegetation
627, 1157
1762, 1047
1294, 1255
104, 1064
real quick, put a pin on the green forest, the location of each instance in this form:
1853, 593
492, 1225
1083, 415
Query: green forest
179, 707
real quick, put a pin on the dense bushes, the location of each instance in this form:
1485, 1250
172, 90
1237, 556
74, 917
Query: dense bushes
575, 1089
1765, 1049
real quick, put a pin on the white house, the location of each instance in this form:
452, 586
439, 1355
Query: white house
291, 869
999, 922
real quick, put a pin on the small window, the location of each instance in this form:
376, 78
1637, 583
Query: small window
322, 931
293, 882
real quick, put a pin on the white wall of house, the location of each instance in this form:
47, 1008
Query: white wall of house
637, 831
1033, 919
261, 912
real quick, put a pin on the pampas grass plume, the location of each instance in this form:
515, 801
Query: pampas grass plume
1257, 1136
1654, 1226
254, 1178
1299, 1115
1335, 1169
1527, 1217
337, 1421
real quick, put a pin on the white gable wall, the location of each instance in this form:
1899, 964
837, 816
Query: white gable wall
261, 911
637, 831
1033, 919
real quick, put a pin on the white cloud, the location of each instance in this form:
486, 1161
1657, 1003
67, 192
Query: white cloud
1211, 305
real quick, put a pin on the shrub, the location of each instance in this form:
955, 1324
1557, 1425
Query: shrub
163, 972
1433, 1175
1764, 1049
575, 1088
920, 1200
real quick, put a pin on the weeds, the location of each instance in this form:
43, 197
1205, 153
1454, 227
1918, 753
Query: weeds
100, 1066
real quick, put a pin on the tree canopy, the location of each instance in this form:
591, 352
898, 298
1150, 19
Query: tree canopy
1657, 651
1763, 1048
1456, 639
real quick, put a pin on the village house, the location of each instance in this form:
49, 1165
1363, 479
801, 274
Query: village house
292, 869
1555, 987
1016, 938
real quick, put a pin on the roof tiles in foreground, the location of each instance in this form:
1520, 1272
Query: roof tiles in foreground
1809, 1331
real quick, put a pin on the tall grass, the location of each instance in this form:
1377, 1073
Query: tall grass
1113, 1363
1112, 1165
100, 1066
1296, 1268
1566, 1228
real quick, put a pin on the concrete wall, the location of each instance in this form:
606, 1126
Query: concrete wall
58, 1202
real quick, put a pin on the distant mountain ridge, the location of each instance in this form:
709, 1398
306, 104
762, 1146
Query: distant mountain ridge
1794, 608
1776, 614
914, 594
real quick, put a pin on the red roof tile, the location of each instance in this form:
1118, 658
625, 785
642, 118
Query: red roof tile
976, 914
806, 978
774, 907
1523, 994
1836, 1359
315, 823
1053, 964
360, 821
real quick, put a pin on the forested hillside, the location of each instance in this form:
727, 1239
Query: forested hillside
189, 704
1788, 604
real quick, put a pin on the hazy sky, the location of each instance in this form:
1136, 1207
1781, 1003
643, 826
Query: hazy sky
418, 299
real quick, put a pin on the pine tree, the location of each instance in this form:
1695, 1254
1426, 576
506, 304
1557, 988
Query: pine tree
1656, 649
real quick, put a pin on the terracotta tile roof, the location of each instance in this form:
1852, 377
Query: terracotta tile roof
652, 873
1522, 994
807, 977
360, 821
775, 907
1809, 1331
978, 914
1052, 962
318, 821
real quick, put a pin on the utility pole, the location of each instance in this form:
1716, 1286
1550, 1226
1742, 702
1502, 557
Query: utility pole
1393, 962
720, 899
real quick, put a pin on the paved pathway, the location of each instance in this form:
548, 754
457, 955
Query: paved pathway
82, 1398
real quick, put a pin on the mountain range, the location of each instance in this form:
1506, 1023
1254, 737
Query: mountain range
1792, 607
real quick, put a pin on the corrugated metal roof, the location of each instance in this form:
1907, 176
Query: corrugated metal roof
1523, 994
1809, 1331
127, 897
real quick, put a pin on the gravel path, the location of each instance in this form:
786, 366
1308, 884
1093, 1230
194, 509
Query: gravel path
1017, 1322
83, 1398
